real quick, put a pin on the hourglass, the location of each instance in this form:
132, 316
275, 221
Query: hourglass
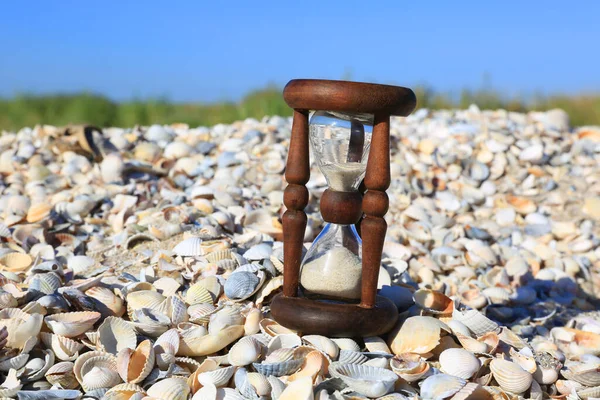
333, 290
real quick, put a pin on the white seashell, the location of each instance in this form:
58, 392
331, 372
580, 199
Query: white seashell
284, 341
301, 389
190, 247
116, 334
135, 365
258, 252
241, 285
72, 324
325, 344
441, 386
510, 376
366, 380
417, 335
477, 323
170, 389
352, 357
346, 344
218, 377
459, 362
246, 351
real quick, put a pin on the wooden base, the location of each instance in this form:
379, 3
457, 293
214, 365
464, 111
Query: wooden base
334, 320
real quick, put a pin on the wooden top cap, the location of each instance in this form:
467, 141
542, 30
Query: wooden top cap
349, 97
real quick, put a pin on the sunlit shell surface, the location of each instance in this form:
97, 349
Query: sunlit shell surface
141, 263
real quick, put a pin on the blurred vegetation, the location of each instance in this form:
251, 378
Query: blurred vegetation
29, 110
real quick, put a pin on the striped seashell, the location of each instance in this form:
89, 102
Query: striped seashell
366, 380
197, 294
135, 365
441, 386
64, 348
61, 374
246, 351
200, 313
15, 262
190, 247
218, 377
170, 389
459, 362
510, 376
116, 334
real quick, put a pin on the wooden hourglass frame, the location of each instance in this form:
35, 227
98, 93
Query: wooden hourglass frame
374, 315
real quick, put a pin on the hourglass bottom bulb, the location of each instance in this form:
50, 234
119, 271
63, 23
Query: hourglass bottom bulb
335, 275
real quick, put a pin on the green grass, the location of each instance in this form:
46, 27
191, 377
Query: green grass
29, 110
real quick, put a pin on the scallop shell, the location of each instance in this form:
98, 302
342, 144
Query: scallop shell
246, 351
108, 304
200, 313
283, 341
134, 365
459, 362
366, 380
116, 334
197, 294
352, 357
125, 391
301, 389
38, 212
586, 374
241, 285
418, 335
433, 302
477, 323
346, 344
46, 283
143, 299
510, 376
62, 375
15, 262
190, 247
226, 316
98, 373
280, 368
410, 367
16, 362
218, 377
64, 348
441, 386
325, 344
11, 386
170, 389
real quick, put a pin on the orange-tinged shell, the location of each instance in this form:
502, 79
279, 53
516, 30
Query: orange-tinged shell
135, 365
38, 212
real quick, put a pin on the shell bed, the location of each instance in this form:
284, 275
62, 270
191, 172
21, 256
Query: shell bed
140, 264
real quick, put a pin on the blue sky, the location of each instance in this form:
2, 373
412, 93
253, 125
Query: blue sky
213, 50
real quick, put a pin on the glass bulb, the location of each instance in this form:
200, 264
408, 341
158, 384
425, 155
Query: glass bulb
341, 143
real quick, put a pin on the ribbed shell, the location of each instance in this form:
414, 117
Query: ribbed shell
135, 365
116, 334
459, 362
510, 376
366, 380
170, 389
72, 324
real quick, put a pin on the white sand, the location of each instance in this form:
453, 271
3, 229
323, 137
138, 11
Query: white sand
336, 274
343, 177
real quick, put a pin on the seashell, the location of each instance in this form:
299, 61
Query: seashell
195, 346
346, 344
137, 239
11, 385
165, 348
433, 302
200, 313
62, 375
197, 294
46, 283
401, 296
477, 323
16, 362
20, 326
473, 298
441, 386
64, 348
327, 345
352, 357
410, 367
143, 299
125, 391
279, 368
366, 380
218, 377
252, 323
459, 362
170, 389
301, 389
7, 300
497, 295
241, 285
38, 212
586, 374
98, 373
417, 335
190, 247
174, 308
107, 303
284, 340
258, 252
246, 351
314, 364
134, 365
226, 316
15, 262
510, 376
116, 334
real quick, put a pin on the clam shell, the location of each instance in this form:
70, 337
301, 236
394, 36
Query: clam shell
346, 344
15, 262
64, 348
510, 376
315, 364
325, 344
477, 323
11, 385
197, 294
116, 334
352, 357
99, 373
200, 313
46, 283
441, 386
170, 389
143, 299
459, 362
241, 285
62, 375
218, 377
410, 367
418, 335
433, 302
280, 368
135, 365
16, 362
108, 304
246, 351
20, 326
190, 247
38, 212
252, 323
586, 374
301, 389
285, 340
366, 380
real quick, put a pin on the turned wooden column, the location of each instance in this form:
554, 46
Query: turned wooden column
375, 205
295, 198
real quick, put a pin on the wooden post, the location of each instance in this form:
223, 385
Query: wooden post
375, 205
295, 198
